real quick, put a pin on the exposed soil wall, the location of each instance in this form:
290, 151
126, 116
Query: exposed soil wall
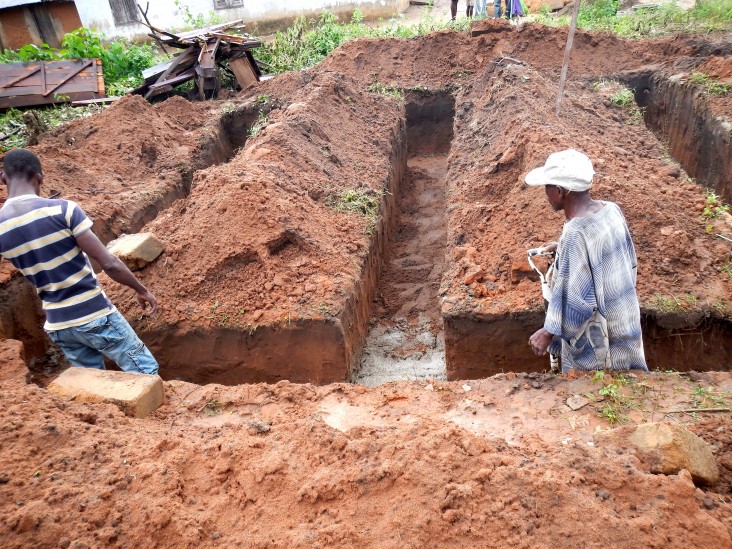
697, 138
251, 197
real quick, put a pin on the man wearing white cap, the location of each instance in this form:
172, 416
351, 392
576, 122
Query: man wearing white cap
593, 318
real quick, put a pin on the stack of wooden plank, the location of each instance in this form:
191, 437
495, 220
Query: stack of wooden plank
207, 53
48, 82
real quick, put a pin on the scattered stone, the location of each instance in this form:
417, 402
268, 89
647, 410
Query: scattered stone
667, 231
474, 276
709, 503
577, 402
668, 449
259, 426
604, 495
467, 388
537, 384
137, 395
137, 250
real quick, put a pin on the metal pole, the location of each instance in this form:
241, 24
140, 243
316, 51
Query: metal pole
567, 51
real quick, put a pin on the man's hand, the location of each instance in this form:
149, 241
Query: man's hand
143, 298
549, 247
539, 342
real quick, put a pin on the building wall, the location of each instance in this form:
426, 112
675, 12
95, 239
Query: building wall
258, 15
19, 26
16, 29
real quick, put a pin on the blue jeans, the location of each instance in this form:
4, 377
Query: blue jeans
480, 8
496, 8
110, 336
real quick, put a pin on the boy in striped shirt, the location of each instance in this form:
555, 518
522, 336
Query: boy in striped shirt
50, 241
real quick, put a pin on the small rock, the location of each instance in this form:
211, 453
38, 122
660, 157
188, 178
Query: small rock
474, 276
256, 316
577, 402
604, 495
668, 449
467, 388
216, 535
709, 503
667, 231
537, 384
268, 286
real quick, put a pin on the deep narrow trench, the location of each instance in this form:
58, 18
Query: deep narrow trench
19, 308
406, 338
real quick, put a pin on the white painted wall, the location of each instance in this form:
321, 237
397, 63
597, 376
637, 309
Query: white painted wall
164, 14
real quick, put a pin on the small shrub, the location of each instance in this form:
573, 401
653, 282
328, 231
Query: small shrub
622, 98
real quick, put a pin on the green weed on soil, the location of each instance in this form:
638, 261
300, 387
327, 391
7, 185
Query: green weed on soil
667, 18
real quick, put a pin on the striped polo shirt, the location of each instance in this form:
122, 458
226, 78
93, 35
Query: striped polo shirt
37, 235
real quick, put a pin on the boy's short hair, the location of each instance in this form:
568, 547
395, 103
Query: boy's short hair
21, 164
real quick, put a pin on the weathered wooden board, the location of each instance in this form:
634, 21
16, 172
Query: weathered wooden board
48, 82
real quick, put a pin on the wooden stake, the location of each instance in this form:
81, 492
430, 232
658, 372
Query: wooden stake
567, 52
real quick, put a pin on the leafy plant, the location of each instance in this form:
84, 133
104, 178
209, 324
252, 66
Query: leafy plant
259, 124
198, 20
714, 206
623, 98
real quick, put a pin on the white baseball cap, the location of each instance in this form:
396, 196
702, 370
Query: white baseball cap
568, 169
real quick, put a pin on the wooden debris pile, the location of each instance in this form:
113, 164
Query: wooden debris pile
207, 54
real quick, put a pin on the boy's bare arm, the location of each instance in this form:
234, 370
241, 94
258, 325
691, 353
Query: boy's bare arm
114, 267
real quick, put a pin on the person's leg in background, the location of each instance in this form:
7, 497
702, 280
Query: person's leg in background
469, 8
453, 9
496, 9
480, 8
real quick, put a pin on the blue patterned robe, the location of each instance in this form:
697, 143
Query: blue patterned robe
594, 305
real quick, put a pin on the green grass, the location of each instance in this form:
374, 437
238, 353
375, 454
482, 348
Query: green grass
708, 83
668, 18
356, 201
52, 116
307, 42
623, 98
386, 89
670, 304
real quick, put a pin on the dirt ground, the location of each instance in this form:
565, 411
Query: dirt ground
251, 198
496, 462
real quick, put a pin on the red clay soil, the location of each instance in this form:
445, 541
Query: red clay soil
258, 241
501, 462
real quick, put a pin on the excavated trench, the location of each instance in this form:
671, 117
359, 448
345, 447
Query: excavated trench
20, 310
391, 327
680, 114
406, 338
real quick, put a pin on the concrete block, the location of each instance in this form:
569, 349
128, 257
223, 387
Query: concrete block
137, 250
136, 395
667, 448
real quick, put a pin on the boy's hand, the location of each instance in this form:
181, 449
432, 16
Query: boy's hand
143, 298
